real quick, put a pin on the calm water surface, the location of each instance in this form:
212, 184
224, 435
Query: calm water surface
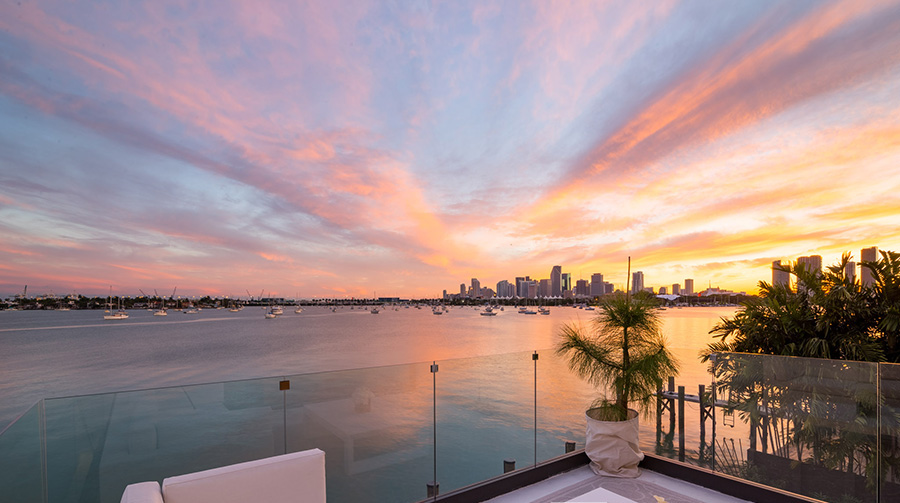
61, 353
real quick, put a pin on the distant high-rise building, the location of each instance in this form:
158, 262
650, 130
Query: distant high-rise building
608, 287
476, 288
505, 289
566, 281
462, 289
867, 255
688, 287
663, 290
545, 288
780, 277
582, 288
445, 295
812, 263
596, 285
637, 282
556, 281
519, 281
676, 289
531, 288
850, 271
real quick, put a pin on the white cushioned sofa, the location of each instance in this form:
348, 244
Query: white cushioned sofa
298, 477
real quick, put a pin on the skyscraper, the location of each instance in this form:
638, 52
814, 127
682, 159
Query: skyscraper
519, 281
544, 288
688, 287
556, 281
581, 287
637, 282
850, 271
676, 289
476, 287
811, 263
780, 277
462, 289
867, 255
566, 281
596, 285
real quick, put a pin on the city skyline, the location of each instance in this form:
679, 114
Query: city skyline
341, 149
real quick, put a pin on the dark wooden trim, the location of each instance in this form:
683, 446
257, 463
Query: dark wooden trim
511, 481
723, 483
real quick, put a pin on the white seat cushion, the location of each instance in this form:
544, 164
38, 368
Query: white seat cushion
295, 477
143, 492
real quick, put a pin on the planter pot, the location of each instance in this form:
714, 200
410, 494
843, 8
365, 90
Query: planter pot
612, 446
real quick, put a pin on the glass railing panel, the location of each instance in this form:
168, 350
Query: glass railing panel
96, 445
805, 425
563, 398
485, 418
889, 452
20, 459
375, 426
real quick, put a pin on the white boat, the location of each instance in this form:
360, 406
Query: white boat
277, 310
161, 312
488, 311
270, 314
121, 314
298, 310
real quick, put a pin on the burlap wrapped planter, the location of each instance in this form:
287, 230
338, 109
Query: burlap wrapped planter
612, 446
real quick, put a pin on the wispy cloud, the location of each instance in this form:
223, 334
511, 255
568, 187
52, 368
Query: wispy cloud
338, 149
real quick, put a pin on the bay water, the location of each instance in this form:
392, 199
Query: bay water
47, 354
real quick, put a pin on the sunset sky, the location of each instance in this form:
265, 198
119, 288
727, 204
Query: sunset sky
347, 149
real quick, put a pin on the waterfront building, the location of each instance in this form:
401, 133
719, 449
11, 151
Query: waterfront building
867, 255
582, 288
566, 281
531, 288
850, 271
462, 289
521, 288
545, 288
505, 289
476, 288
812, 263
597, 285
676, 289
688, 287
637, 282
556, 281
779, 276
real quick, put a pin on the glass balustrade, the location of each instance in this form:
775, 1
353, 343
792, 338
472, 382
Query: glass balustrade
21, 472
403, 433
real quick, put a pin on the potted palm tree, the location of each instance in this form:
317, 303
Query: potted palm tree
623, 353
